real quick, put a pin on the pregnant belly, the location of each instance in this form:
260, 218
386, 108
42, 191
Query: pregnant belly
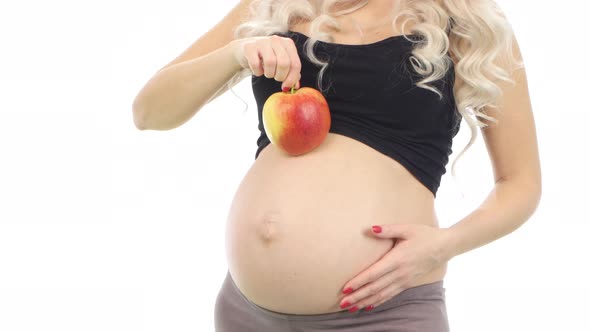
299, 227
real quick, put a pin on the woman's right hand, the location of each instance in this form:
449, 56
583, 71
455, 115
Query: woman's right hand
274, 56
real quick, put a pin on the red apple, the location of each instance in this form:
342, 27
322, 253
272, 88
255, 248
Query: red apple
296, 121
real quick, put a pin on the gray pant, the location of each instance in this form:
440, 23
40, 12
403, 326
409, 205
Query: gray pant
417, 309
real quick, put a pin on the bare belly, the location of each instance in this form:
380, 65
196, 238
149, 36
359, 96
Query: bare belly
299, 227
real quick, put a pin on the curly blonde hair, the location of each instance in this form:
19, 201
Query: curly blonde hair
475, 33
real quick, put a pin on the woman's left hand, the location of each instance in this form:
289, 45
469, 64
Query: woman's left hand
419, 249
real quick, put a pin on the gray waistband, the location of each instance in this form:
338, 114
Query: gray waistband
417, 292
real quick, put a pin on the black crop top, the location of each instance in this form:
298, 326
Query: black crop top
369, 89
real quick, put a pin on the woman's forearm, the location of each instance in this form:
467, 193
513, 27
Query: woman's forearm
507, 207
176, 93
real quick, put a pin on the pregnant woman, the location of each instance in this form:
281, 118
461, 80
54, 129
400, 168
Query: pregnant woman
346, 237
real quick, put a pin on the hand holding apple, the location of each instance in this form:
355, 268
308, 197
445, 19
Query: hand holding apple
296, 121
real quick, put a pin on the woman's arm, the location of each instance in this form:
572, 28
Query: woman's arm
193, 79
509, 205
176, 93
419, 248
513, 151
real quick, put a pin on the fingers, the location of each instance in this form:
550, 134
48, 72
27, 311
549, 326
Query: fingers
374, 272
269, 59
292, 70
375, 293
371, 292
274, 57
282, 58
384, 294
253, 58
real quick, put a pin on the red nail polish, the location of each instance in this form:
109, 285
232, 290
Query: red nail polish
353, 309
286, 89
370, 307
344, 305
377, 229
347, 291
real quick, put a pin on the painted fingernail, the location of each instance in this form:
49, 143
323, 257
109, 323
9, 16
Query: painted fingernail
344, 305
377, 229
369, 307
347, 291
353, 309
286, 89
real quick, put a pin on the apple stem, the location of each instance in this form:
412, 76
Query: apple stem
293, 88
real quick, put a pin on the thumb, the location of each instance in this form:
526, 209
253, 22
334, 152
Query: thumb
391, 230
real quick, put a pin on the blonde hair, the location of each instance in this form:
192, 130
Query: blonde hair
475, 33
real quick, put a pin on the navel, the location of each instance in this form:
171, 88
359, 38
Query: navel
268, 228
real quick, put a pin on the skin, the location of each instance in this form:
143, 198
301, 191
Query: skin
421, 249
513, 199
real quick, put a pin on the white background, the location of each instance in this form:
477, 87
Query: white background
107, 228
